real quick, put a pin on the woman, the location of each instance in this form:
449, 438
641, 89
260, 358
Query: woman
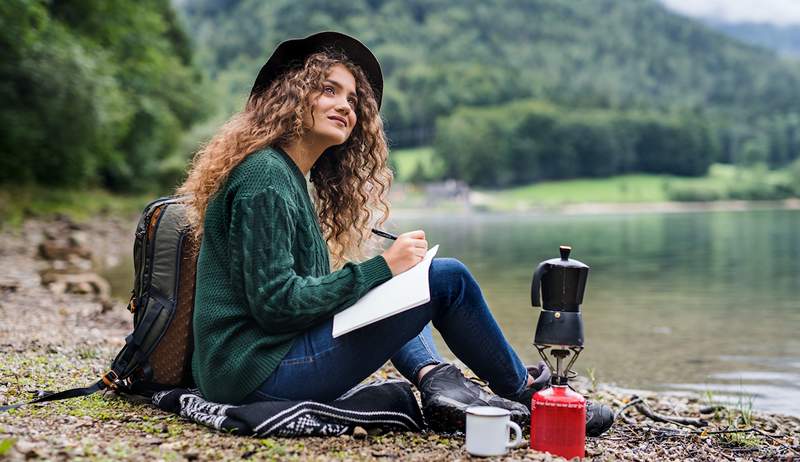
266, 294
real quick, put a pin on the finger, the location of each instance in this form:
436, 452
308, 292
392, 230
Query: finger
422, 243
417, 234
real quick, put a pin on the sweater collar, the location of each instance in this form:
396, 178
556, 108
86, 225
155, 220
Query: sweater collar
292, 166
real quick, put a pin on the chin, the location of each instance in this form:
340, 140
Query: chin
337, 138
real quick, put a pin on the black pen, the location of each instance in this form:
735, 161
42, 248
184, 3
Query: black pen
384, 234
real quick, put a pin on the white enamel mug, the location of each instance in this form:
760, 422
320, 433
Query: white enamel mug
488, 431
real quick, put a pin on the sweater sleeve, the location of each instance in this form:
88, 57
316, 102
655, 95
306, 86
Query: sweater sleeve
263, 230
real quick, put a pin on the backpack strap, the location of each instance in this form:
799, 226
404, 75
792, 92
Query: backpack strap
132, 353
109, 380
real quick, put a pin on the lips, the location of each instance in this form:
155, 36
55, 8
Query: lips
339, 118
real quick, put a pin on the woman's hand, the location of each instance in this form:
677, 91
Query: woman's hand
408, 250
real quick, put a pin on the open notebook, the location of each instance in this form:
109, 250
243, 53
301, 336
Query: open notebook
402, 292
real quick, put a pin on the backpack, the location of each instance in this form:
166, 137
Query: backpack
157, 354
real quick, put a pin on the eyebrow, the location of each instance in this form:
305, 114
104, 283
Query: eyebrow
340, 86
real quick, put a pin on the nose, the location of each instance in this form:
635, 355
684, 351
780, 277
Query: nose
343, 107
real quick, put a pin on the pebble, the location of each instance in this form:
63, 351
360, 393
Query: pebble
27, 448
359, 433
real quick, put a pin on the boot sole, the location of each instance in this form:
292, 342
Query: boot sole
445, 419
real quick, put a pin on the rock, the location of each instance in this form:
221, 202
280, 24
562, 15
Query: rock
79, 263
359, 433
79, 287
27, 449
8, 286
54, 249
81, 283
78, 239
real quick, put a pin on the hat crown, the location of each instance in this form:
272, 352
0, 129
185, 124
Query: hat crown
294, 52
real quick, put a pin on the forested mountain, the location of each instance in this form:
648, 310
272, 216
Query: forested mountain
438, 55
783, 39
102, 91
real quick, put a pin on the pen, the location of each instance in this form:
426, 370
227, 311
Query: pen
384, 234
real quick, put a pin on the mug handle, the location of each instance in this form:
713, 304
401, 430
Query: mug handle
517, 435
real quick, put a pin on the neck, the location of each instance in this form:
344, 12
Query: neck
305, 151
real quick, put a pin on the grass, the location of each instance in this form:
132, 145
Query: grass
624, 188
721, 182
20, 202
739, 416
744, 419
6, 445
717, 184
408, 161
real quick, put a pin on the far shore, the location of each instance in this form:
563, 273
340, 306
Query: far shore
599, 208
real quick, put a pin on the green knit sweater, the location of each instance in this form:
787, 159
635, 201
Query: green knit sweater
263, 276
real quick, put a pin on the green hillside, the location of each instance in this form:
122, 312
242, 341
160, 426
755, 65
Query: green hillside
103, 93
440, 55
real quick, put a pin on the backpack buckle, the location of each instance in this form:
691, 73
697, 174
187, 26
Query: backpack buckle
132, 304
111, 379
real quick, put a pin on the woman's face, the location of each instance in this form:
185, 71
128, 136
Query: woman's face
334, 110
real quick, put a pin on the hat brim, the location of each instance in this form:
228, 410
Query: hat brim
293, 53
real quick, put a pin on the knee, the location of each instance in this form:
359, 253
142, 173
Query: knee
450, 276
448, 267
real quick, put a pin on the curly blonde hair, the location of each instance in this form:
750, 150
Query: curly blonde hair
350, 181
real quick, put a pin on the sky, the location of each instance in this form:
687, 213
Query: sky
778, 12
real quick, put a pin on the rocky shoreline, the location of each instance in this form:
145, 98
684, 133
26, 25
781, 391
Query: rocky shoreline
59, 329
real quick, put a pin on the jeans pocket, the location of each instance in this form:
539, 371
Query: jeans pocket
296, 361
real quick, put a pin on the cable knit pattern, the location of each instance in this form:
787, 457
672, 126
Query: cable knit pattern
263, 276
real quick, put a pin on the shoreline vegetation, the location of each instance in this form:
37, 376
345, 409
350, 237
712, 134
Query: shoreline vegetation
622, 194
60, 334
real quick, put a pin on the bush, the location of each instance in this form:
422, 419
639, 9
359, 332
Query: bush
694, 193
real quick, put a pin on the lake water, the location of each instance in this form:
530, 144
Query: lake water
684, 302
679, 302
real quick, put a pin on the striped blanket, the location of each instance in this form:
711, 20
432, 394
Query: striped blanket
387, 405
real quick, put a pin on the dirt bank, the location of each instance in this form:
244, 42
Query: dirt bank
51, 339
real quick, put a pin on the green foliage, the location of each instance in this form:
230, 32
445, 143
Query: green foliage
794, 176
20, 202
632, 188
94, 92
531, 141
737, 183
416, 164
438, 56
6, 444
783, 38
695, 193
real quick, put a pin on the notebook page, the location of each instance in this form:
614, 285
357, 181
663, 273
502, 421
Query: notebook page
402, 292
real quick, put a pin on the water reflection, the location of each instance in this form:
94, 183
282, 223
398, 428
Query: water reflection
670, 296
678, 302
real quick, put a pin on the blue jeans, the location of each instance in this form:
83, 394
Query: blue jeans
321, 368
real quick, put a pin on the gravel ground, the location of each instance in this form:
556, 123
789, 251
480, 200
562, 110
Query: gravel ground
52, 340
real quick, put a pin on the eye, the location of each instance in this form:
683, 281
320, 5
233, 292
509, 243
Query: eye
329, 90
353, 102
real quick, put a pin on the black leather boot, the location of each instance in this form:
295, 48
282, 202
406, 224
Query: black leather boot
446, 394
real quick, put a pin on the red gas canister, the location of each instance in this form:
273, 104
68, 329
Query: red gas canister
558, 422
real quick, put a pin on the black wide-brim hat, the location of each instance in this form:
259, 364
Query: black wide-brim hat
293, 53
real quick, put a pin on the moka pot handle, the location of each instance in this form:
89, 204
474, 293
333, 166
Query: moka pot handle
536, 285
